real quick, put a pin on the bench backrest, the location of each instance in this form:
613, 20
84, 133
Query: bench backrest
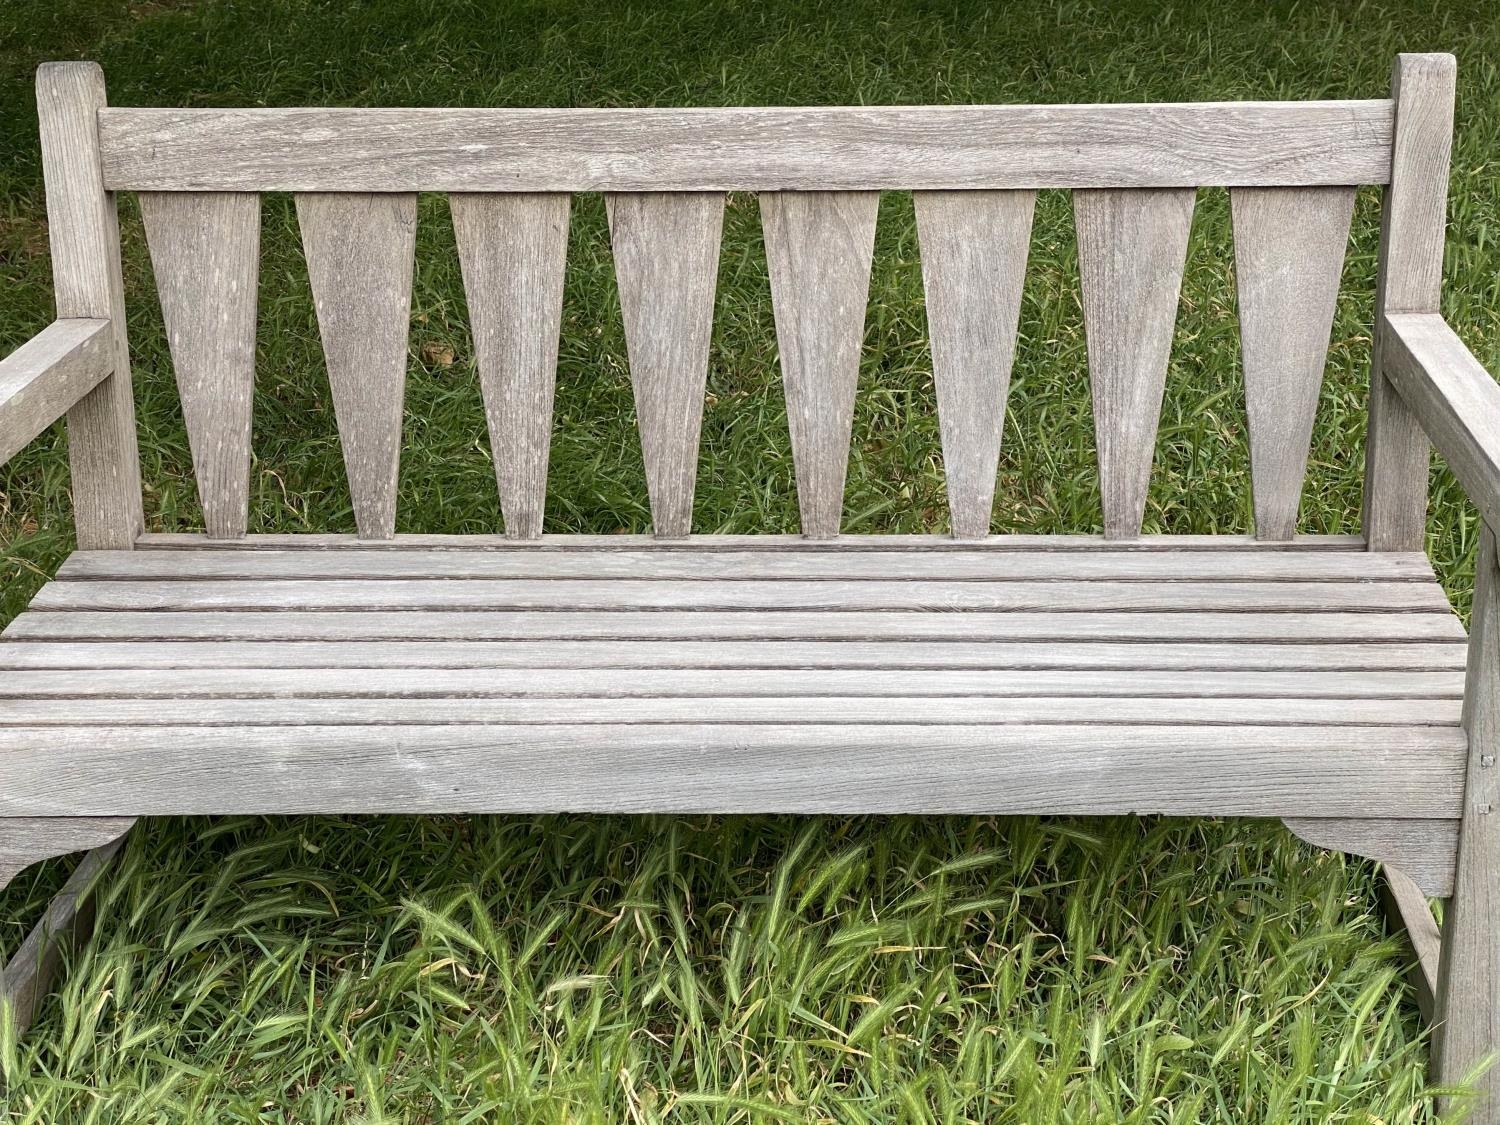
1291, 169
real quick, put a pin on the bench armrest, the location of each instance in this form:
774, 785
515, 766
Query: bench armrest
47, 375
1455, 399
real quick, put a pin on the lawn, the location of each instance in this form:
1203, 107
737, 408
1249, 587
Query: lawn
582, 969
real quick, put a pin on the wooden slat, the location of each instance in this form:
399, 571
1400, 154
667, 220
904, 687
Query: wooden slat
609, 683
1288, 258
1406, 909
1132, 246
1453, 398
360, 253
1424, 849
1413, 226
734, 768
953, 598
1332, 714
950, 566
1200, 656
819, 247
47, 375
188, 541
205, 253
666, 249
769, 625
513, 250
748, 149
973, 248
83, 232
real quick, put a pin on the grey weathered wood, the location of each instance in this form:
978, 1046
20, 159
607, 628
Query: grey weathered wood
25, 839
973, 248
513, 250
733, 768
67, 922
1132, 246
1363, 626
1424, 849
360, 253
1452, 397
666, 248
1087, 656
609, 683
205, 252
381, 594
819, 246
1412, 229
700, 544
1288, 258
951, 566
1406, 909
748, 149
83, 230
47, 375
1468, 1002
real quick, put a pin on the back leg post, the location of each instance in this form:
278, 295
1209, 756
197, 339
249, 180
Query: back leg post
25, 978
1468, 1002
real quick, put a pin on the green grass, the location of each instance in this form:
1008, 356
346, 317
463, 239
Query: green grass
755, 970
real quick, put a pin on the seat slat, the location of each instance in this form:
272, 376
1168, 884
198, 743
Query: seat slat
360, 254
1132, 246
973, 247
819, 247
205, 253
911, 595
608, 683
1363, 771
740, 565
666, 249
513, 249
1288, 258
1198, 656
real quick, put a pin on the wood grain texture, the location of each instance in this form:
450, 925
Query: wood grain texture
973, 247
1468, 1004
819, 247
360, 254
748, 149
1413, 225
1426, 850
25, 840
735, 768
1452, 397
1242, 658
513, 252
1132, 246
205, 253
43, 378
666, 249
83, 231
1288, 259
67, 922
1406, 910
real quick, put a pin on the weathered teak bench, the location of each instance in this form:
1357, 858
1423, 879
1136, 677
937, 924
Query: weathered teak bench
1319, 679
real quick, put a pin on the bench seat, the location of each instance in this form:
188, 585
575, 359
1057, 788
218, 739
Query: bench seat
618, 674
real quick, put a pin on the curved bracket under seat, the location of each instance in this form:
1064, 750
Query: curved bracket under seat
1424, 850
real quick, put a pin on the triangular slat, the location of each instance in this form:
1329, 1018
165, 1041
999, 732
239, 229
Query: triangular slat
360, 251
513, 249
1288, 258
1132, 246
974, 246
666, 248
205, 252
819, 246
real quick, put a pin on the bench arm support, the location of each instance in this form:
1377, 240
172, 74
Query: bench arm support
1454, 398
47, 375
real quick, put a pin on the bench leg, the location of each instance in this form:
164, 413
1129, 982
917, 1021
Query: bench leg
1468, 1001
26, 977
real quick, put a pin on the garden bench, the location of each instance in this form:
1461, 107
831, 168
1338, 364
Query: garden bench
1314, 678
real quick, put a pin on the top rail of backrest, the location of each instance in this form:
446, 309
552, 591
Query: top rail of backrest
1216, 144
